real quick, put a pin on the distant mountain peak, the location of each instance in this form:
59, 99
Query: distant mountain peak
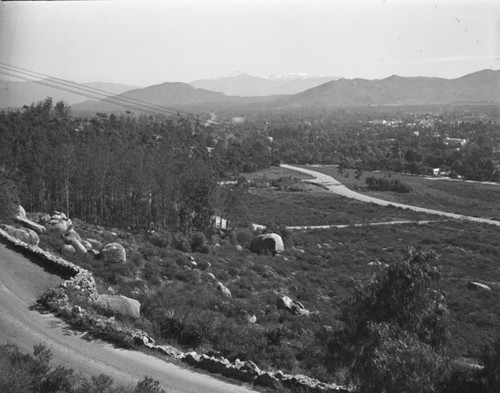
290, 75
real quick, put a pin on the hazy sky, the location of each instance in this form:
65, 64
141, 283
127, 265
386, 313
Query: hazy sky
149, 42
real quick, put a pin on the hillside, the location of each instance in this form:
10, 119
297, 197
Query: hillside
169, 94
242, 84
479, 87
15, 94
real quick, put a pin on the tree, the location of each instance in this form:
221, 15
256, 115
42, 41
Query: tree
395, 329
9, 199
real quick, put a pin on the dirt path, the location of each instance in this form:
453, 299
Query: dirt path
338, 188
22, 282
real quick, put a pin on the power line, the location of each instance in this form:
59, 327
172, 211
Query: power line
90, 92
86, 91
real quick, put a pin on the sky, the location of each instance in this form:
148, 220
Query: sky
150, 42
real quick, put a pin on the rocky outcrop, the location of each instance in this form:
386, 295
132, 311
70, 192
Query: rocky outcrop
119, 305
25, 235
113, 253
296, 308
58, 222
83, 282
268, 243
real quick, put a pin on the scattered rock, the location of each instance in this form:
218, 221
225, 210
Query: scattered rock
478, 286
79, 247
223, 289
86, 244
267, 243
120, 305
113, 253
292, 306
72, 234
95, 244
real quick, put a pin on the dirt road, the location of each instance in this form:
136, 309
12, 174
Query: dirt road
22, 282
338, 188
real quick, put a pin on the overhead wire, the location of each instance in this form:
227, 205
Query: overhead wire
83, 89
93, 93
86, 91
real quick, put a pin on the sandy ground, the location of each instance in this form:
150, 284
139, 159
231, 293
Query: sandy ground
22, 282
338, 188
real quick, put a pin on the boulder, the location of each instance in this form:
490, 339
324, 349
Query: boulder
24, 234
72, 234
67, 249
113, 253
223, 289
211, 276
30, 224
292, 306
20, 212
119, 305
268, 243
95, 244
478, 286
268, 380
86, 244
79, 248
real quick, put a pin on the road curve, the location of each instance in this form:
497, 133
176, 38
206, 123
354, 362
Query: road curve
22, 282
338, 188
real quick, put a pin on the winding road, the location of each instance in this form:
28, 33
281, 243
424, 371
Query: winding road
21, 284
338, 188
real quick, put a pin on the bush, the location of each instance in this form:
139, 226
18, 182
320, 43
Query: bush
386, 184
181, 242
199, 243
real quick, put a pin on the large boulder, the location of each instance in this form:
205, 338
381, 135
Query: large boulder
20, 217
113, 253
119, 305
24, 234
268, 243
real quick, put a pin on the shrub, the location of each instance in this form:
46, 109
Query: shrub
181, 242
199, 243
385, 184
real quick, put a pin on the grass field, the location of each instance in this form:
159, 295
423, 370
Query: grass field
468, 198
317, 207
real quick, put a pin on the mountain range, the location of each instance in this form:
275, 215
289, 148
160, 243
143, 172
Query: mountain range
247, 85
479, 87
